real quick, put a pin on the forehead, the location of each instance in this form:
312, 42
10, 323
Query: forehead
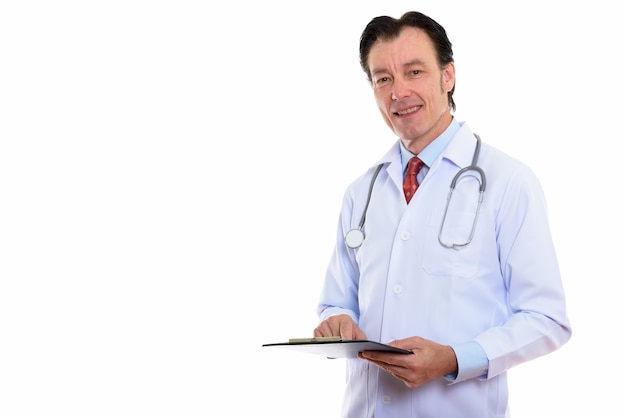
413, 44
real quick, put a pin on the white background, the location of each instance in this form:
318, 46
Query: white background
149, 244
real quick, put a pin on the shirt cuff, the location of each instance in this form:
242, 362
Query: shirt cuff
471, 360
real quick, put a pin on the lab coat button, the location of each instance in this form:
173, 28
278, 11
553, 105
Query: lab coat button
386, 399
405, 236
397, 289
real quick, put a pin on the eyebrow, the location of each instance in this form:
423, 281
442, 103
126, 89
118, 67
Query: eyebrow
411, 63
416, 61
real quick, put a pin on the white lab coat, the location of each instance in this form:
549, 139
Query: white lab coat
503, 290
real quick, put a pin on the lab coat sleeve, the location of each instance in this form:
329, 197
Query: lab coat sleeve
340, 290
538, 323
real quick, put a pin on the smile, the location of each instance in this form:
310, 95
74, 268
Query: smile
407, 111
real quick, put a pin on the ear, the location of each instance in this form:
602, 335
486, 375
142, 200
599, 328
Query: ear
449, 76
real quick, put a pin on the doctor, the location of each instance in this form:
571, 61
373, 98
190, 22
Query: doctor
468, 311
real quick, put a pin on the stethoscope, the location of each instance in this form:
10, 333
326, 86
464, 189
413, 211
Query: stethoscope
355, 237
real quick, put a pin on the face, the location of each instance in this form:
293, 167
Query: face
411, 90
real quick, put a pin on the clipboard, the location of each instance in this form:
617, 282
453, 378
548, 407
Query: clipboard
336, 347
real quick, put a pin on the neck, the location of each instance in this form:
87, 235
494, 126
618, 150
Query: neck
417, 144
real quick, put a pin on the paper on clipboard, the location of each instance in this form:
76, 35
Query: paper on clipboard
335, 347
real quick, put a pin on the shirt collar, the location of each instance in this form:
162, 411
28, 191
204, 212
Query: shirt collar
432, 150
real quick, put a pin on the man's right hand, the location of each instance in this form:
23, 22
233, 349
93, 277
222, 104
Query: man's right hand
339, 325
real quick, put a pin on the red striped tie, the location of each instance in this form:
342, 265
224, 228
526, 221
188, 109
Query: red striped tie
410, 180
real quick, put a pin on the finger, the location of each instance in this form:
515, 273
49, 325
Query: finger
376, 356
323, 330
346, 332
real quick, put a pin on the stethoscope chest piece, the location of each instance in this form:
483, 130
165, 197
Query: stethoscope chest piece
354, 238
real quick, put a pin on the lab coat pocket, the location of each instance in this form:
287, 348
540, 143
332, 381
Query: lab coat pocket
453, 247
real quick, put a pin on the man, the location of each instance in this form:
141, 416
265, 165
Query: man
471, 293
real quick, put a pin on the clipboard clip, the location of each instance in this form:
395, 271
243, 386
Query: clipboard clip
337, 339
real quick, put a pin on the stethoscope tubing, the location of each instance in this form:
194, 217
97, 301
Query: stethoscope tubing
355, 237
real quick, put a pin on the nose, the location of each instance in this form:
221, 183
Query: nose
399, 90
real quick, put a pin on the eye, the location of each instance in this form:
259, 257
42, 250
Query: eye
416, 72
381, 81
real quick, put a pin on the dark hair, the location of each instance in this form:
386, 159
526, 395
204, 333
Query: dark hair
387, 28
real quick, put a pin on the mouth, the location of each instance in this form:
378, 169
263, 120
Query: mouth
407, 111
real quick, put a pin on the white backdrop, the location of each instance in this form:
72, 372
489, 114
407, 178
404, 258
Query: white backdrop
138, 275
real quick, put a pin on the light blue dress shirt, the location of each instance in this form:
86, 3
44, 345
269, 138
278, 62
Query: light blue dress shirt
432, 150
